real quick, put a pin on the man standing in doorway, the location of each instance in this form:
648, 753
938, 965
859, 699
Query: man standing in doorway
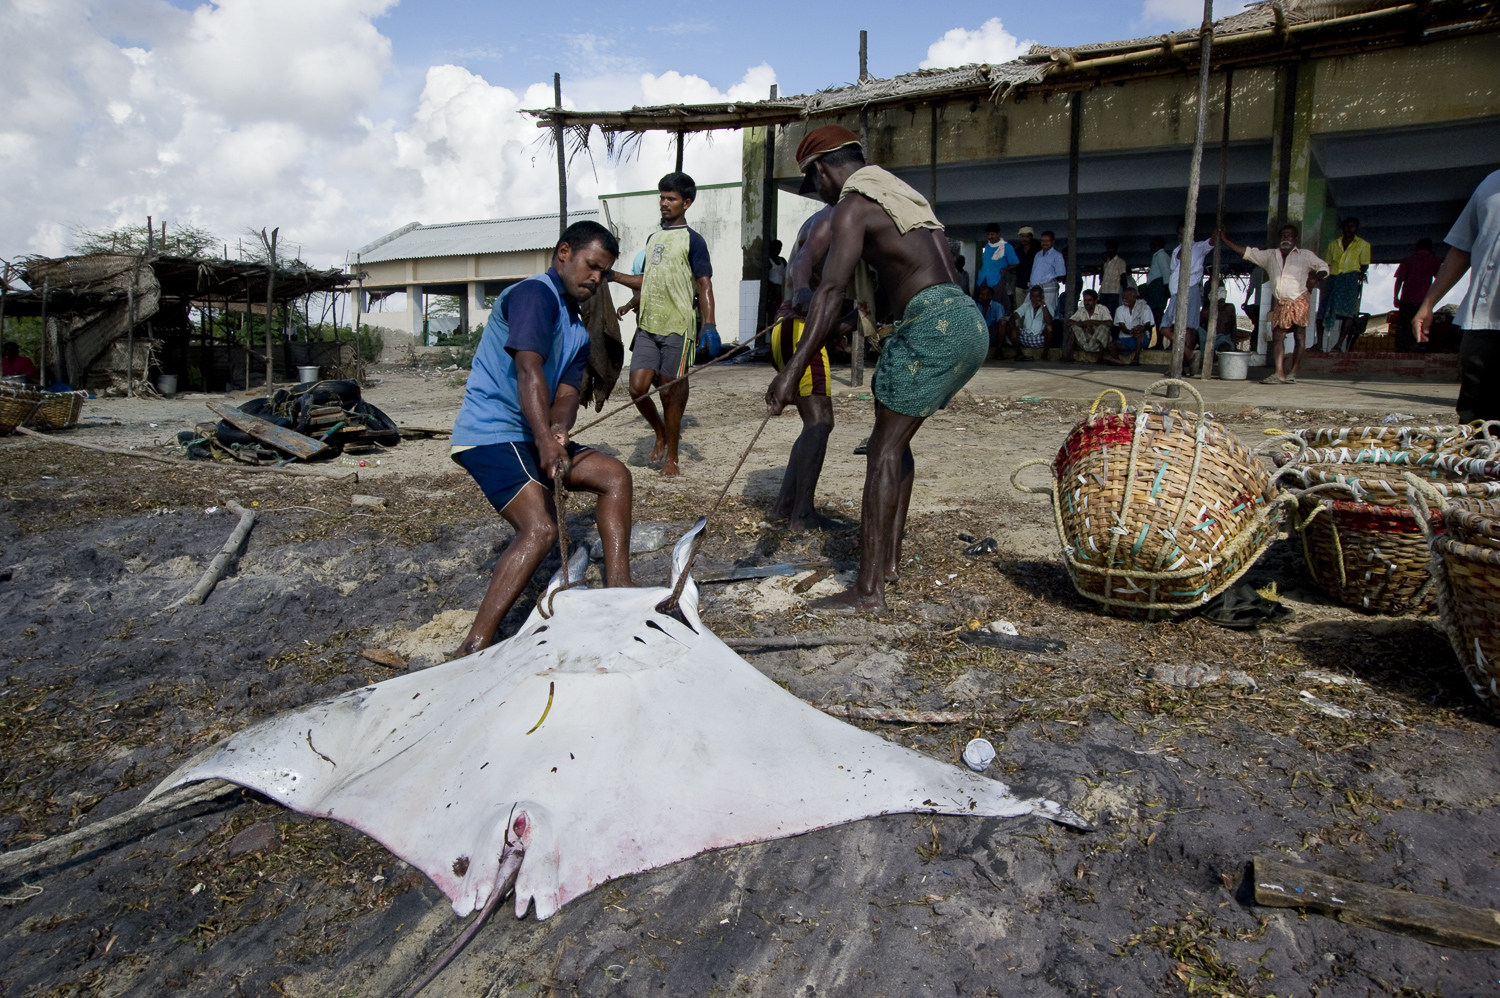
1156, 279
1026, 251
936, 348
676, 268
521, 399
1113, 274
996, 256
1201, 249
1413, 279
1048, 270
1293, 274
1474, 241
1348, 262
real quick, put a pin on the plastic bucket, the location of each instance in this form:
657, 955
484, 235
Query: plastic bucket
166, 384
307, 373
1234, 365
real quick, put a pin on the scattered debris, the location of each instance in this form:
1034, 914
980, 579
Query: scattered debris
808, 639
220, 564
986, 546
1329, 678
373, 502
161, 459
1001, 627
259, 837
811, 580
896, 715
1242, 607
1324, 707
1440, 922
767, 572
978, 754
383, 656
644, 538
279, 437
1193, 676
1011, 642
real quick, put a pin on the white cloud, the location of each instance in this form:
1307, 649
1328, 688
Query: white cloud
249, 113
1181, 14
989, 43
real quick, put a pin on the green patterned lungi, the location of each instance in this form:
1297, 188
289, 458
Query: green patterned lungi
936, 348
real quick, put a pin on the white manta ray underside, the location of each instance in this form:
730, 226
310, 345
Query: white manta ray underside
604, 740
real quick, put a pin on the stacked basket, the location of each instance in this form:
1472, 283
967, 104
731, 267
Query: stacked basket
1158, 511
1464, 536
1364, 546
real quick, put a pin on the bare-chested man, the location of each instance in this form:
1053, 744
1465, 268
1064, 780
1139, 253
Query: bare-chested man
799, 484
936, 348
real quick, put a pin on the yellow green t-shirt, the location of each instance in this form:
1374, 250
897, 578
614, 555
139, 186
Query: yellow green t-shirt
675, 258
1347, 259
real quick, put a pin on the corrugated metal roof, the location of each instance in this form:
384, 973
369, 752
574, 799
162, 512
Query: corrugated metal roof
492, 235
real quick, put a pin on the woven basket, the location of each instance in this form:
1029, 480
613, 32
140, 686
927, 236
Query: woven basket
1464, 536
1427, 439
58, 411
1157, 512
18, 404
1364, 545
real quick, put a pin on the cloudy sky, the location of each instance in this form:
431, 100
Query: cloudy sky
339, 120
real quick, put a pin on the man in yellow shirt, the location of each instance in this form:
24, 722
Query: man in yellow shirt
1348, 259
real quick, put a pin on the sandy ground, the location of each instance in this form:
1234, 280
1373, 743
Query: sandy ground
105, 693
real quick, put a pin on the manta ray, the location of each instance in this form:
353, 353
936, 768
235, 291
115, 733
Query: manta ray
605, 738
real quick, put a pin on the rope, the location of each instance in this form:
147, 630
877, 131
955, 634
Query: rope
670, 603
560, 507
741, 348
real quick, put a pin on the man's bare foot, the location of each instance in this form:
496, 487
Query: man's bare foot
813, 521
670, 470
658, 452
850, 599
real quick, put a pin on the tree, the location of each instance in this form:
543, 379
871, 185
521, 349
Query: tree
182, 240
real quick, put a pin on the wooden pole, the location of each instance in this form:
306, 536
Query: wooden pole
1213, 289
1190, 212
679, 150
359, 307
562, 159
857, 339
270, 301
864, 56
245, 333
1075, 130
42, 350
130, 318
932, 160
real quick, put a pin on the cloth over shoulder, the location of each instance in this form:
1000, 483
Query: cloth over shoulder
907, 208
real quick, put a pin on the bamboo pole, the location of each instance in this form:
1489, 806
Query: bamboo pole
1073, 281
271, 302
562, 159
1190, 212
220, 564
42, 350
1211, 331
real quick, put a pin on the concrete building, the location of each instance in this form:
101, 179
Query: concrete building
471, 261
1376, 108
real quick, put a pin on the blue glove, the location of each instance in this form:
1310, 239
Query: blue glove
709, 342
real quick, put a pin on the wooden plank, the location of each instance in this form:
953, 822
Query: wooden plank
267, 432
425, 431
1434, 920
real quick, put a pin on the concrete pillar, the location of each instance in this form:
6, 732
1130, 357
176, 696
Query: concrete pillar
414, 300
478, 314
753, 205
1291, 154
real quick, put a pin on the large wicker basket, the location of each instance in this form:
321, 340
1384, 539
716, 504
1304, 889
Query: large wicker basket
1422, 439
1157, 511
1363, 544
23, 405
1464, 536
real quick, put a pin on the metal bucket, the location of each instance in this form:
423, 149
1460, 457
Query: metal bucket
307, 373
1233, 365
166, 384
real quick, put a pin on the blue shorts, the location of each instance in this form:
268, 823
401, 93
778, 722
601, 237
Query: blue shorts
503, 470
1126, 343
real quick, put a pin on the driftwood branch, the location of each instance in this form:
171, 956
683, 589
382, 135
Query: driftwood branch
220, 564
900, 716
237, 468
143, 819
1432, 919
809, 640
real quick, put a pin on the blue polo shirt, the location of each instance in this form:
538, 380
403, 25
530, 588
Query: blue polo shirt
992, 263
535, 315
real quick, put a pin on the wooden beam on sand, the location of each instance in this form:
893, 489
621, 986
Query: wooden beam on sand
1440, 922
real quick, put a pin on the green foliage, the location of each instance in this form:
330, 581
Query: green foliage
371, 342
26, 332
182, 240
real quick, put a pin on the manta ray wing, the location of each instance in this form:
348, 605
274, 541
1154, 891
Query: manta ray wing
605, 739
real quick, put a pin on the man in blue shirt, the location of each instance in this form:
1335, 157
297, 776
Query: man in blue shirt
521, 400
1048, 270
995, 257
994, 314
